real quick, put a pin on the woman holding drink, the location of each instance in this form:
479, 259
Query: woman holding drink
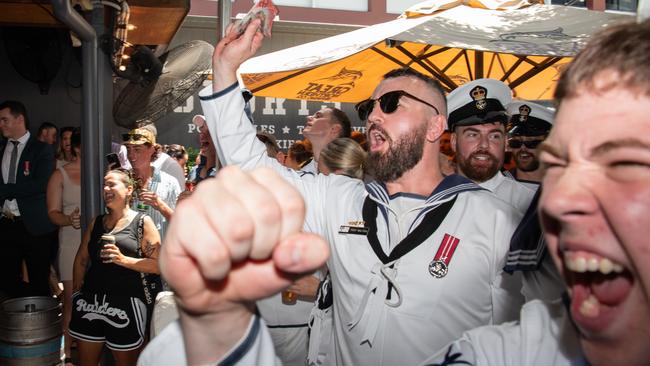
108, 303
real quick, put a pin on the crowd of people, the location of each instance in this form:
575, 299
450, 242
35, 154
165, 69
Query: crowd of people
428, 240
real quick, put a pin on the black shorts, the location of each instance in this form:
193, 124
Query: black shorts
119, 321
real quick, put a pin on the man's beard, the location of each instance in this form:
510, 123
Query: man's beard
481, 173
529, 166
401, 156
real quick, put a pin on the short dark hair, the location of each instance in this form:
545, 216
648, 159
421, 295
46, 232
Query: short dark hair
46, 126
16, 109
430, 81
343, 120
622, 49
65, 129
176, 151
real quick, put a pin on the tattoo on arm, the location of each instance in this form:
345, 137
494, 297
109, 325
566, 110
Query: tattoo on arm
149, 249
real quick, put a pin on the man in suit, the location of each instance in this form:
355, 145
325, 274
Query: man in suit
26, 230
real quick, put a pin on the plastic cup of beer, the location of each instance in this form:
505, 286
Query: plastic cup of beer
108, 239
289, 298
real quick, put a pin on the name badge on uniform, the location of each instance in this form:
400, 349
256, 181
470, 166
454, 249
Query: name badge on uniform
439, 266
355, 228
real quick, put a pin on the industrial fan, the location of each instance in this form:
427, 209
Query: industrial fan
184, 68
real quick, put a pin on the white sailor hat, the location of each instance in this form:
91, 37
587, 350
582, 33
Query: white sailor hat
478, 102
529, 119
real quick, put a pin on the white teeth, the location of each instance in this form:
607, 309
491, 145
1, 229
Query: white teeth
582, 264
606, 266
592, 264
590, 307
617, 268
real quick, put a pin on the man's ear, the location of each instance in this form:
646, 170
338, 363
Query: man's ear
436, 127
452, 140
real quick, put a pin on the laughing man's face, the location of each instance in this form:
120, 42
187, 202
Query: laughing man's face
595, 210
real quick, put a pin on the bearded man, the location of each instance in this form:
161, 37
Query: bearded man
530, 123
477, 119
412, 262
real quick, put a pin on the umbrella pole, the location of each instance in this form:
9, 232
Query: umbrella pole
478, 65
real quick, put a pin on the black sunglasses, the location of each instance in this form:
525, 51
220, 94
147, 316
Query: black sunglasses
131, 137
387, 102
515, 144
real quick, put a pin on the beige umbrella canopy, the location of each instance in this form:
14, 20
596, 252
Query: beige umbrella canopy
524, 45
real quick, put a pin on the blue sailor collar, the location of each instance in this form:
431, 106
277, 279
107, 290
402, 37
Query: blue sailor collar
527, 245
448, 187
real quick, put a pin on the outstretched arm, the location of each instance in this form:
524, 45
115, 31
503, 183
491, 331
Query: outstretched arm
249, 247
232, 51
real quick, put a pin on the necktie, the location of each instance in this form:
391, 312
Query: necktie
12, 163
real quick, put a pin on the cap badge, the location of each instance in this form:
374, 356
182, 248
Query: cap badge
524, 111
478, 94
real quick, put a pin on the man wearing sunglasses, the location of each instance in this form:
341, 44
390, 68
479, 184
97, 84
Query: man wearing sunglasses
477, 120
529, 125
415, 260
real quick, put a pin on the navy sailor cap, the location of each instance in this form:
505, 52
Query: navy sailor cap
529, 119
477, 102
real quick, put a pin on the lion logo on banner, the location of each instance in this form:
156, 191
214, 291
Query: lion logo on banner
330, 87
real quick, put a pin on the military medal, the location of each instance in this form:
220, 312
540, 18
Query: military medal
439, 266
26, 170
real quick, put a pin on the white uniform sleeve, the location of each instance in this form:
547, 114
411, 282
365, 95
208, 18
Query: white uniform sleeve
482, 346
232, 132
236, 143
506, 288
543, 337
254, 349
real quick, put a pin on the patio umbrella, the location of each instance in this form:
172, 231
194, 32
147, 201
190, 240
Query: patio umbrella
524, 45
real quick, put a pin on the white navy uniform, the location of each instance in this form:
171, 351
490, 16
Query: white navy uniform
528, 254
288, 324
310, 167
388, 306
544, 336
519, 197
321, 321
527, 183
509, 190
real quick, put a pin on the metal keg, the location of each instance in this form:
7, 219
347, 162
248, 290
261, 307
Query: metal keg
30, 331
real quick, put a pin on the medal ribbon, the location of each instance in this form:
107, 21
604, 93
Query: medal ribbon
446, 249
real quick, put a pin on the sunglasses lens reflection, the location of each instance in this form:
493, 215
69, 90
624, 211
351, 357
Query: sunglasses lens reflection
131, 137
387, 102
516, 144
